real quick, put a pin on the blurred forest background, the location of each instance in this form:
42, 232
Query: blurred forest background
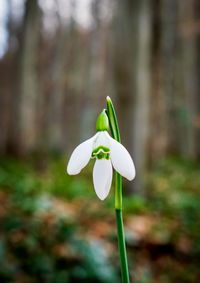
59, 59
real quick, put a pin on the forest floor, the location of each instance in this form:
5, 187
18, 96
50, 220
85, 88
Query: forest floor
54, 229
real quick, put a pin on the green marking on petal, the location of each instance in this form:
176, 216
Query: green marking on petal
101, 152
101, 148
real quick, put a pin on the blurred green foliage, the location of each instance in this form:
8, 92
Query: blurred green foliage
36, 243
28, 177
30, 249
174, 191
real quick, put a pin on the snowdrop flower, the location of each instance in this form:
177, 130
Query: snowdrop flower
107, 152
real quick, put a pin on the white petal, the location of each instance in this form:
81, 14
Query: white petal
102, 177
121, 159
80, 156
101, 139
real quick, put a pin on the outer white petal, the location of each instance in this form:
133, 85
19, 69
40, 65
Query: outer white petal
102, 177
121, 159
80, 156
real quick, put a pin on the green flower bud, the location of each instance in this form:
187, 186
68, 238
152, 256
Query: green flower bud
102, 123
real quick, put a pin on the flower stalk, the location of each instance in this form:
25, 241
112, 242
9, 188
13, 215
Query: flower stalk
118, 196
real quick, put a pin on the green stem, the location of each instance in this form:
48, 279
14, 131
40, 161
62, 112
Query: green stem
122, 246
118, 196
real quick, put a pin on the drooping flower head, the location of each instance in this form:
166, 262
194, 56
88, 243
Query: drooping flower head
107, 153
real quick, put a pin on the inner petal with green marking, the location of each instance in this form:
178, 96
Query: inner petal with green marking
101, 152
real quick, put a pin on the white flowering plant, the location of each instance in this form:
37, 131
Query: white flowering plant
108, 153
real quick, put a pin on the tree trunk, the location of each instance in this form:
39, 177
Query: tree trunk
142, 93
131, 63
29, 88
56, 141
168, 78
124, 39
189, 71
